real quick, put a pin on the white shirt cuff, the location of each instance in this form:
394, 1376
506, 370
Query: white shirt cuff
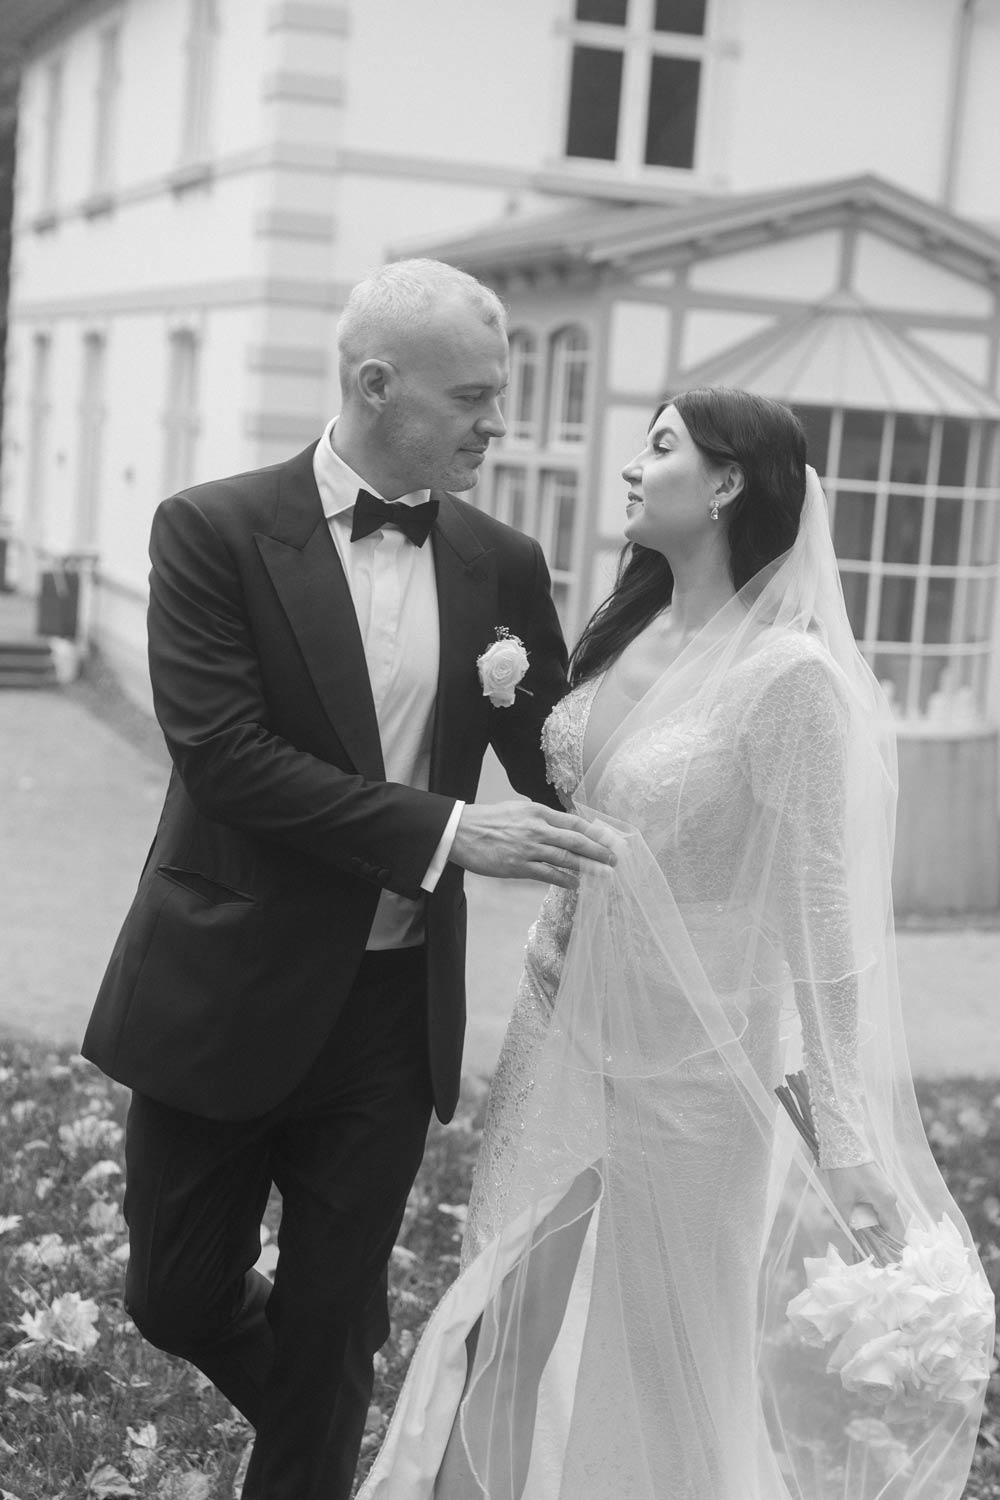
443, 849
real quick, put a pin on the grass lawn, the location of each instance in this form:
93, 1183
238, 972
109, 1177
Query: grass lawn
88, 1410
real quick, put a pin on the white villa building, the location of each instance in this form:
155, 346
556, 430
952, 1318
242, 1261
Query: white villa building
790, 195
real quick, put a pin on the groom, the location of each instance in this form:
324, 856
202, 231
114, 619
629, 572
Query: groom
286, 998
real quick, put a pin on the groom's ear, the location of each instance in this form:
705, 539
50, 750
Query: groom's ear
374, 379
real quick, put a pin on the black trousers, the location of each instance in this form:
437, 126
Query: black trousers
343, 1150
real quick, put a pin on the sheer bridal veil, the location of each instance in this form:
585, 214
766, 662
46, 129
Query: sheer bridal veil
635, 1342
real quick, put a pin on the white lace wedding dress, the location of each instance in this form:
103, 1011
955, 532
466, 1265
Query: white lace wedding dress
641, 1207
720, 1170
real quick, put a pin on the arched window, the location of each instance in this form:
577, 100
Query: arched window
522, 393
915, 511
570, 369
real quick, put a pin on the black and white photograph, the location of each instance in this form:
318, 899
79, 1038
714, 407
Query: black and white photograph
499, 749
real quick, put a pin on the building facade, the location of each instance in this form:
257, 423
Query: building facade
801, 199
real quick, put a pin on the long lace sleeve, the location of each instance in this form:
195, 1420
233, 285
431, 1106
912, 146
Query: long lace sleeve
795, 741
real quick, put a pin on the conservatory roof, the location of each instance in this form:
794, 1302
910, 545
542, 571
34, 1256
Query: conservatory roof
846, 354
637, 238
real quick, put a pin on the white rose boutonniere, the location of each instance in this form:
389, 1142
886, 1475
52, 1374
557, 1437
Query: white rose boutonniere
501, 668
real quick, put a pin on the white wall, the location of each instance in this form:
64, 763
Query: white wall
827, 91
458, 80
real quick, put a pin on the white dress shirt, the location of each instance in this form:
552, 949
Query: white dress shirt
393, 587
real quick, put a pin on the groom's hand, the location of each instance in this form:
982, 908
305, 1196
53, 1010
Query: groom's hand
526, 841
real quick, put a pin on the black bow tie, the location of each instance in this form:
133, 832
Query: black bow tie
414, 520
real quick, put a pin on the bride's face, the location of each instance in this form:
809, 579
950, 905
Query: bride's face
670, 488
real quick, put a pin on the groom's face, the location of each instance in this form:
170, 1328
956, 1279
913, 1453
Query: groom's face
445, 406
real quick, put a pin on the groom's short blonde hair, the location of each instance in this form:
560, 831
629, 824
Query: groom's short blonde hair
397, 298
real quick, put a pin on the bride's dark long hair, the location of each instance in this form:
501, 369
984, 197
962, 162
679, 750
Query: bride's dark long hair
768, 442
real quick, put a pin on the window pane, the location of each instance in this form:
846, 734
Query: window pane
562, 550
816, 421
895, 616
902, 529
509, 503
854, 519
856, 599
576, 384
947, 532
687, 16
985, 523
568, 387
940, 604
523, 384
861, 445
988, 456
673, 111
911, 450
978, 611
954, 451
937, 685
595, 89
605, 12
893, 672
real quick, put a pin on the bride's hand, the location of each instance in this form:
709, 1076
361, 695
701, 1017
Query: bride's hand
866, 1186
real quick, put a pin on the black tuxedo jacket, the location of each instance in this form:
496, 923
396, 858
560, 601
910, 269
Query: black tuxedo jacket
279, 829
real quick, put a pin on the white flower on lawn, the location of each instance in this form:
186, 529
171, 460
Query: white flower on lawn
9, 1222
90, 1133
48, 1253
68, 1323
100, 1172
142, 1444
104, 1217
501, 668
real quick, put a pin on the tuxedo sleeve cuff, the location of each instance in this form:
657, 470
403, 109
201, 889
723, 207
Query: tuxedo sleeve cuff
443, 849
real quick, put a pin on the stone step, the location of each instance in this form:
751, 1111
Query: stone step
26, 681
27, 664
27, 646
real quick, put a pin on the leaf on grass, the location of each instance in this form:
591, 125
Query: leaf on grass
29, 1394
8, 1495
190, 1486
105, 1482
143, 1437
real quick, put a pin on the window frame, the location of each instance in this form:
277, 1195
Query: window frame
200, 68
562, 360
522, 417
972, 659
638, 43
53, 108
181, 412
92, 414
107, 94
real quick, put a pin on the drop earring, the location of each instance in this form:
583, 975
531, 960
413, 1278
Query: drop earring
714, 512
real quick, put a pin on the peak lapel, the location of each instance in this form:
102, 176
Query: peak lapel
302, 560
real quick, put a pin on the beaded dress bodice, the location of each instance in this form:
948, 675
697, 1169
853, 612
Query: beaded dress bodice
715, 769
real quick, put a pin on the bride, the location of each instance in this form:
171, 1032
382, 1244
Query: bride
642, 1209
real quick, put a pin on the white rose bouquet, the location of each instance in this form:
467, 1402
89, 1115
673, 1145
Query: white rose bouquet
907, 1324
907, 1334
501, 668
